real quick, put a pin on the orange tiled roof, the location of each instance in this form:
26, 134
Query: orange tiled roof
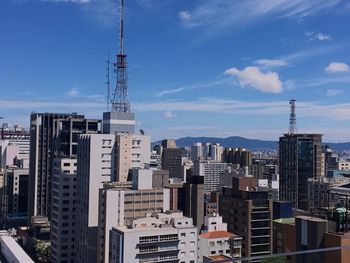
217, 234
220, 258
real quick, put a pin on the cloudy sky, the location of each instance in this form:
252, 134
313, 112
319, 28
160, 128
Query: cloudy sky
196, 67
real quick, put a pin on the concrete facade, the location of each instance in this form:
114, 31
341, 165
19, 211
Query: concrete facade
118, 206
211, 171
248, 213
132, 151
160, 237
64, 213
95, 167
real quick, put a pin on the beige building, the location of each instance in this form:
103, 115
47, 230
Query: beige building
132, 151
119, 206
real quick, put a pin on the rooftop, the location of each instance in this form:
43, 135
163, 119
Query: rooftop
220, 258
217, 234
311, 218
15, 249
289, 221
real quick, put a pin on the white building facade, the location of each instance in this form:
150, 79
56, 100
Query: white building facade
159, 237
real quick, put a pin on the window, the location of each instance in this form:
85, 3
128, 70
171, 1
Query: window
183, 234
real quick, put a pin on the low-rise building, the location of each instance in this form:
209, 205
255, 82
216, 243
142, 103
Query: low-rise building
168, 237
11, 251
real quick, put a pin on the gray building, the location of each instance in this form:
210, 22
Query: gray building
51, 135
310, 235
16, 196
248, 213
63, 212
172, 161
118, 122
300, 158
193, 200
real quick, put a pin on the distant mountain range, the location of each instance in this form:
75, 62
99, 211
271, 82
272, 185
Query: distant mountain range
252, 144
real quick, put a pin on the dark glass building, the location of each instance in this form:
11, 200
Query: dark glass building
300, 158
51, 135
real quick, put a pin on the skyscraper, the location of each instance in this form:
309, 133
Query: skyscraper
300, 158
51, 135
193, 200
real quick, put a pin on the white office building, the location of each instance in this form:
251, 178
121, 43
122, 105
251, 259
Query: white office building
168, 237
212, 171
119, 206
96, 155
206, 151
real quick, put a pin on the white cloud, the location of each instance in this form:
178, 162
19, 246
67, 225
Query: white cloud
215, 14
72, 93
254, 78
203, 85
185, 16
317, 36
169, 114
335, 67
271, 62
334, 92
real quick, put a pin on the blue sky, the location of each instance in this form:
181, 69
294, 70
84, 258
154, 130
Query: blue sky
196, 67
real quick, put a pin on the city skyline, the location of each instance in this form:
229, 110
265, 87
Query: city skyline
194, 67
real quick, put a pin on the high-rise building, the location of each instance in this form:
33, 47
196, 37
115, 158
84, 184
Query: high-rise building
16, 196
193, 200
211, 171
132, 151
168, 144
172, 161
240, 156
206, 151
63, 212
120, 205
248, 213
51, 135
300, 158
169, 237
95, 162
14, 147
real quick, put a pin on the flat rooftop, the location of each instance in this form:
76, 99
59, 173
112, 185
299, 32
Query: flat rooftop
15, 249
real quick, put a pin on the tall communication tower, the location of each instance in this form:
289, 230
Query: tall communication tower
108, 83
292, 119
119, 98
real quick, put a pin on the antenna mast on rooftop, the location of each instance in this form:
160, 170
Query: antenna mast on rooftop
108, 83
119, 99
292, 119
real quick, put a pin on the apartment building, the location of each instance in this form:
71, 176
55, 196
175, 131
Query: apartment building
159, 237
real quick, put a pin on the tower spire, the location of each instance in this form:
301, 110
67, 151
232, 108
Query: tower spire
292, 118
119, 99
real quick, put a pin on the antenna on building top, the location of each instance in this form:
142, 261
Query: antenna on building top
292, 119
119, 99
108, 83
